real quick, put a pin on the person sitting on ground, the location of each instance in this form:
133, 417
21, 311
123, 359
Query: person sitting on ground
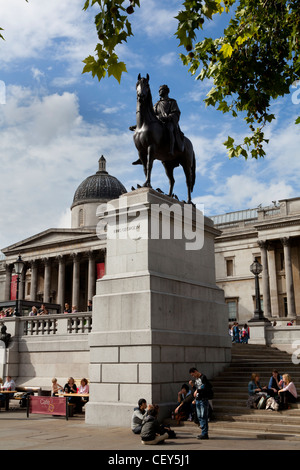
55, 387
184, 409
255, 391
274, 383
288, 394
151, 429
137, 416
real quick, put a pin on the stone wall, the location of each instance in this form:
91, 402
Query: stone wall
49, 346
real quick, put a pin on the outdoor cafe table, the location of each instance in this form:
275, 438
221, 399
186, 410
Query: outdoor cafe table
83, 395
6, 393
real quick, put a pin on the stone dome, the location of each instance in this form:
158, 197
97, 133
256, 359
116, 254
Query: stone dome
100, 187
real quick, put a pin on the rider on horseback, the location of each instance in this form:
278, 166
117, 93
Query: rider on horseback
168, 112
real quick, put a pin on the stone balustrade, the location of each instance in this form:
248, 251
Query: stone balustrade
53, 324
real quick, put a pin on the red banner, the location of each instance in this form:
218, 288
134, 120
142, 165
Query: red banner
100, 270
48, 406
13, 287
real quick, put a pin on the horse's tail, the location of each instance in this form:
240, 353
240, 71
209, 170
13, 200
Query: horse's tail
193, 171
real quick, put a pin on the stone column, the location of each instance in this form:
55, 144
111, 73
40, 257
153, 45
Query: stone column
61, 281
265, 278
47, 280
273, 282
289, 277
8, 268
91, 276
34, 276
76, 280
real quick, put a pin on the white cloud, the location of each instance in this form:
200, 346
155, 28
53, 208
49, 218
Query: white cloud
156, 19
36, 73
168, 59
47, 150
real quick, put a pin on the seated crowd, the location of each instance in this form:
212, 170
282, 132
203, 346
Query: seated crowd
7, 312
277, 395
192, 404
71, 387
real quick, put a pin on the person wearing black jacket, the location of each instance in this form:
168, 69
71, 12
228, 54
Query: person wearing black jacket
151, 429
202, 393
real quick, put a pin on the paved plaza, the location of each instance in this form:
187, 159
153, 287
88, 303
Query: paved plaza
40, 432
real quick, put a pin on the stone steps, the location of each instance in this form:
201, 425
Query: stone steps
231, 416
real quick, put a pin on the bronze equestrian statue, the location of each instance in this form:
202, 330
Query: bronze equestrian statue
157, 136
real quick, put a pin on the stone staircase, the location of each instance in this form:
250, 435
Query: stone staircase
231, 416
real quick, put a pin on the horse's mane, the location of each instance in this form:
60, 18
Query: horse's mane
151, 108
150, 103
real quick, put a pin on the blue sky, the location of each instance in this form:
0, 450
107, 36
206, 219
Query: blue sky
56, 122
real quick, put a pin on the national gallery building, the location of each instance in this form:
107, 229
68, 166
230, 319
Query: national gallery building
63, 265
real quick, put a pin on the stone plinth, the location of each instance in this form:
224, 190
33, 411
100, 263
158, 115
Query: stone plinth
157, 311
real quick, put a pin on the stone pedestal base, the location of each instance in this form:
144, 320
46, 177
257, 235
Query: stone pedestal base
258, 332
157, 313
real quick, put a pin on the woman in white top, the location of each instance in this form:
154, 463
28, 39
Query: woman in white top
288, 394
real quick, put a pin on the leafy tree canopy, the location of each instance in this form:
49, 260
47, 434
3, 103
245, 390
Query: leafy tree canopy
255, 61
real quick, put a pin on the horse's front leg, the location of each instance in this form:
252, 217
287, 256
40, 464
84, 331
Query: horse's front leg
150, 159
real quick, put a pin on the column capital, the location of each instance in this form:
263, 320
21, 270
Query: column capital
47, 261
91, 254
264, 244
9, 267
33, 263
286, 241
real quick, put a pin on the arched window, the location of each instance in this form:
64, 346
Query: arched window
81, 219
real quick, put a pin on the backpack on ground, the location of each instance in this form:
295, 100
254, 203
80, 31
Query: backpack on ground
272, 404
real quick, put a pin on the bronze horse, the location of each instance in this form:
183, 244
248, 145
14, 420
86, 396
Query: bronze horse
151, 139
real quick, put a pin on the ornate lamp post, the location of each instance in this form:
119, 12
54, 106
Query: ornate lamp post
256, 268
18, 265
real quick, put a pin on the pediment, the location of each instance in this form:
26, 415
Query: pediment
50, 238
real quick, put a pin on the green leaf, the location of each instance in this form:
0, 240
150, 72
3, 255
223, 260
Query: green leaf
226, 50
229, 142
116, 70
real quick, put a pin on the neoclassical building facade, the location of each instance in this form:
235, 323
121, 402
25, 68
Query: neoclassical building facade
62, 265
272, 235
